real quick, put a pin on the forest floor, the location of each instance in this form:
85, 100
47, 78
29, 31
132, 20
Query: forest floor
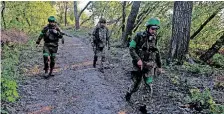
78, 88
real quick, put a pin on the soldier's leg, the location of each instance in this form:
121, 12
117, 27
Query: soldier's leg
148, 79
95, 58
103, 54
52, 63
102, 59
46, 55
52, 59
134, 87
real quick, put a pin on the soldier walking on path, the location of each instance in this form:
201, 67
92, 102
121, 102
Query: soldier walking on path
146, 57
100, 40
51, 35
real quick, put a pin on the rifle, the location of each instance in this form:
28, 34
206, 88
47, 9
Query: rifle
62, 33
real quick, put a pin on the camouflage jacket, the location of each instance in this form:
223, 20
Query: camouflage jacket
144, 47
101, 36
49, 36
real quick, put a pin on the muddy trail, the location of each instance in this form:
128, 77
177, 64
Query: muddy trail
78, 88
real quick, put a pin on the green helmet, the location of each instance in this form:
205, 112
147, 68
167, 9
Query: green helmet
153, 22
51, 19
102, 20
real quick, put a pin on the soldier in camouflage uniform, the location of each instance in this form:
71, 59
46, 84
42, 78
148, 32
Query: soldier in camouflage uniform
100, 40
51, 35
145, 55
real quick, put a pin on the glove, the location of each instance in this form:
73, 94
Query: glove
53, 31
62, 41
108, 47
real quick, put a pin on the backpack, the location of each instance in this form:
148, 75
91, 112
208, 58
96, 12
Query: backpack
97, 35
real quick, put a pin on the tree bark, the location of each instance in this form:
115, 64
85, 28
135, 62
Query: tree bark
76, 16
66, 10
2, 12
123, 18
130, 22
180, 31
213, 50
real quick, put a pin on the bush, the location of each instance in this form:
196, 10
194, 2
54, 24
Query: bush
205, 100
198, 68
9, 72
218, 59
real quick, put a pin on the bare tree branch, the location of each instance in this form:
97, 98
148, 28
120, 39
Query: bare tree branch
80, 13
86, 20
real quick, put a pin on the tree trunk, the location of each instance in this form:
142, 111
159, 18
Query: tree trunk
66, 10
130, 22
180, 30
76, 16
2, 12
123, 18
213, 50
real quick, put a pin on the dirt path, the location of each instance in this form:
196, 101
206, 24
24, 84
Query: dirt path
78, 88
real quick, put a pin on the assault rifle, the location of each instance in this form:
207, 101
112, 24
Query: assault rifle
66, 34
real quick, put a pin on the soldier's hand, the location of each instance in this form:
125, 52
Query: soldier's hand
62, 41
54, 31
160, 71
140, 64
108, 47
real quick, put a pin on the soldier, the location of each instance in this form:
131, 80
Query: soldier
51, 35
100, 40
145, 55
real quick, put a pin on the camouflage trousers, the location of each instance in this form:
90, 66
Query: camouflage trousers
49, 55
147, 74
99, 52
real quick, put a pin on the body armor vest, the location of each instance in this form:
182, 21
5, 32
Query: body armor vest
148, 48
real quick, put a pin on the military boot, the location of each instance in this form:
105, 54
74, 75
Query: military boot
143, 109
45, 71
94, 61
46, 67
51, 72
128, 96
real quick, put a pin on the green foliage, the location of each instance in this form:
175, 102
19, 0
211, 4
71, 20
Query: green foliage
9, 90
60, 6
27, 16
205, 99
210, 32
198, 68
109, 10
9, 72
218, 59
4, 111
